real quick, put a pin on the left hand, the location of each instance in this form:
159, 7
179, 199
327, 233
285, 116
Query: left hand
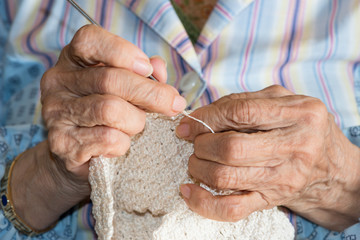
276, 148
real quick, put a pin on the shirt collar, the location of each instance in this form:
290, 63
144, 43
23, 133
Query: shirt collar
158, 13
224, 12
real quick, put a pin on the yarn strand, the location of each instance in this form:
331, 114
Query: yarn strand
186, 114
198, 120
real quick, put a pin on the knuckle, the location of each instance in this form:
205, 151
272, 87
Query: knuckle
140, 123
106, 111
278, 89
315, 112
235, 96
202, 203
106, 80
47, 82
80, 45
50, 110
55, 140
242, 112
222, 178
81, 155
83, 33
243, 95
115, 114
63, 55
162, 95
231, 212
110, 137
331, 117
230, 149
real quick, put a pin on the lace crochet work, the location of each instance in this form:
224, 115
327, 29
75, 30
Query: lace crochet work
136, 196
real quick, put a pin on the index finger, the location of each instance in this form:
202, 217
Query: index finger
243, 115
220, 115
142, 92
93, 45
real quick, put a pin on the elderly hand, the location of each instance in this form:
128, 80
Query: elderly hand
93, 100
96, 96
273, 148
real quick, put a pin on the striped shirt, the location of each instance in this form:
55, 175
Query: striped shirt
309, 47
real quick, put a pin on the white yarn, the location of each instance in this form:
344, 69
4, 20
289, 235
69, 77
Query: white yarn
198, 120
136, 196
185, 113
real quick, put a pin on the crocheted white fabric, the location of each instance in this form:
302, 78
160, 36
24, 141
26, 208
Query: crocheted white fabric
137, 196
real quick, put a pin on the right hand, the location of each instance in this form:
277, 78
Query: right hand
95, 98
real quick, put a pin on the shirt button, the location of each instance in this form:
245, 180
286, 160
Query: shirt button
188, 81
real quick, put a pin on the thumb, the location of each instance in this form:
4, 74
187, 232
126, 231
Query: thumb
230, 208
159, 65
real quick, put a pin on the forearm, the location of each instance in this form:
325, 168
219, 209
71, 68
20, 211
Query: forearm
41, 191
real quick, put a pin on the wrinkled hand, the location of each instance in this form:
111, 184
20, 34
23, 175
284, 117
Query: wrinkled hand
273, 148
96, 96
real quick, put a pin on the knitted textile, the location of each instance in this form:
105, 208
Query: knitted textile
136, 196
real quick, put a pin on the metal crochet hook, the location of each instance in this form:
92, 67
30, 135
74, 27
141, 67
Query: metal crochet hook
82, 12
77, 7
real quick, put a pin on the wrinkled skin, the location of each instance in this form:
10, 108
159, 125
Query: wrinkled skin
273, 148
94, 99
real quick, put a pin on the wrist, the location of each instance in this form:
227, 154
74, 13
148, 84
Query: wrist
332, 201
8, 206
342, 208
344, 192
72, 185
351, 185
40, 192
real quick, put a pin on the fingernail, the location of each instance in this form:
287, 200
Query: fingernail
179, 104
157, 56
142, 67
185, 191
183, 130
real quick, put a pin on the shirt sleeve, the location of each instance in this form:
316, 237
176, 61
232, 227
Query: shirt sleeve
13, 141
305, 229
16, 137
4, 28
